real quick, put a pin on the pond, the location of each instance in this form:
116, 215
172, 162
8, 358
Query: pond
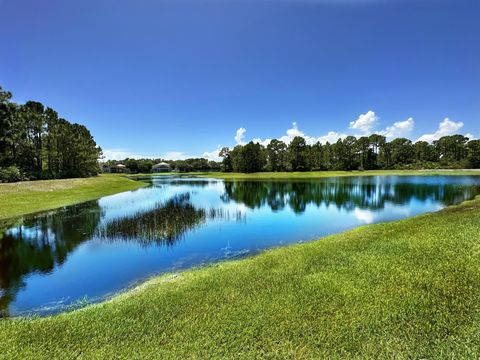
53, 261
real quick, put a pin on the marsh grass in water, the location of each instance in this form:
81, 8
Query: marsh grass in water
165, 223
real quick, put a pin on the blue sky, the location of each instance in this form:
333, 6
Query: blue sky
180, 78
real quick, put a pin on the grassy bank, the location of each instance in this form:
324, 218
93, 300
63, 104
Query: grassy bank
317, 174
406, 289
21, 198
322, 174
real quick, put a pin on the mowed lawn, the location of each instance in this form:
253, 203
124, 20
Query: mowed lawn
22, 198
407, 289
323, 174
292, 175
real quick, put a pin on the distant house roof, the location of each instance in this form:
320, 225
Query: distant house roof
162, 164
120, 165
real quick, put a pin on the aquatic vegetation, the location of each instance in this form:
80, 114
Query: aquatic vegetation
165, 223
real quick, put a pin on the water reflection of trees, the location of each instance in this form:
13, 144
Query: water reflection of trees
196, 182
38, 244
344, 193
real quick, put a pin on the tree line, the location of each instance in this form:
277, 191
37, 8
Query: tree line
35, 143
351, 153
142, 166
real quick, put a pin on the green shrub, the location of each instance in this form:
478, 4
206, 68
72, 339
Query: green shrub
10, 174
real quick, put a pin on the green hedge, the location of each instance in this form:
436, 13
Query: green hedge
10, 174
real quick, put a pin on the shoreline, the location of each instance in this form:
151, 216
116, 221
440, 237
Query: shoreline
16, 198
313, 174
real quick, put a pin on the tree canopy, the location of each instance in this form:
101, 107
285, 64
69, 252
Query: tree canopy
351, 153
35, 143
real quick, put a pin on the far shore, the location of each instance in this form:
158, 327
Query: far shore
22, 198
314, 174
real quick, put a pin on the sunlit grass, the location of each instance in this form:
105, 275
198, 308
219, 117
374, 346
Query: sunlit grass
315, 174
322, 174
21, 198
406, 289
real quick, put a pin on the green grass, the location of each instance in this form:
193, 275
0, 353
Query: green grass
317, 174
22, 198
406, 289
322, 174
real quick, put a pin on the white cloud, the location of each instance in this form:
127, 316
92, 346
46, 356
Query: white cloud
398, 129
262, 142
240, 136
365, 122
213, 155
365, 216
119, 154
294, 131
331, 137
291, 134
446, 127
176, 155
287, 138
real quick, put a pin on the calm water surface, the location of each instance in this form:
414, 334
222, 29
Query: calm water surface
55, 260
